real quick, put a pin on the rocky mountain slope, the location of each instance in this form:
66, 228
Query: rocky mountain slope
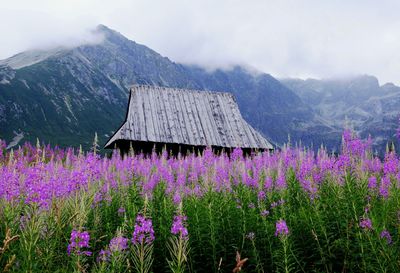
359, 102
65, 95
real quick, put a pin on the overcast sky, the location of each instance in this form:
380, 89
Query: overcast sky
298, 38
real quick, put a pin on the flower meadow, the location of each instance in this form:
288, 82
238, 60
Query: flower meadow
293, 210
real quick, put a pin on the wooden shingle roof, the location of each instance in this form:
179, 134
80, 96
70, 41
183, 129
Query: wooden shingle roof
198, 118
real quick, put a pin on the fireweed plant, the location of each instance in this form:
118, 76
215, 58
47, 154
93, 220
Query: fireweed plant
63, 210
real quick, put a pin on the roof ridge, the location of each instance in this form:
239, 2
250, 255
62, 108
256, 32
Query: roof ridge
178, 89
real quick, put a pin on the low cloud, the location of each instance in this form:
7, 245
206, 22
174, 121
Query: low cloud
285, 38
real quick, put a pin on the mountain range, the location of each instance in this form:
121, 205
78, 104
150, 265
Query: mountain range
64, 95
358, 102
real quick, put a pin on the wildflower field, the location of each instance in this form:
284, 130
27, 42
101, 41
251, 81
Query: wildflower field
289, 211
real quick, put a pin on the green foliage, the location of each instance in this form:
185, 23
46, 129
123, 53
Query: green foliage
142, 257
324, 232
179, 250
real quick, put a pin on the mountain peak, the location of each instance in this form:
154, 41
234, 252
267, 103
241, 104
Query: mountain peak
104, 29
30, 57
109, 34
364, 83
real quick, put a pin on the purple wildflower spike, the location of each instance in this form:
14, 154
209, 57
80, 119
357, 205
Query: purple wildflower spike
118, 244
386, 235
178, 226
78, 241
143, 231
366, 224
104, 256
281, 228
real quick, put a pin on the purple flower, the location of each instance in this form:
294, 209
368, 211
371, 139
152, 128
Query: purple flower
268, 183
391, 164
251, 206
353, 145
383, 192
281, 228
78, 241
118, 244
261, 195
372, 182
384, 187
143, 231
275, 204
237, 154
366, 223
121, 211
104, 256
386, 235
178, 226
281, 182
264, 213
177, 198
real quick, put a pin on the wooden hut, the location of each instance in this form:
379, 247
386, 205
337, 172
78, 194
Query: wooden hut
184, 120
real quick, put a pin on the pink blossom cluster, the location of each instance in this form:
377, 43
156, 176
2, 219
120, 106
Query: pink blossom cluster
40, 175
79, 241
281, 228
178, 226
143, 232
118, 244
